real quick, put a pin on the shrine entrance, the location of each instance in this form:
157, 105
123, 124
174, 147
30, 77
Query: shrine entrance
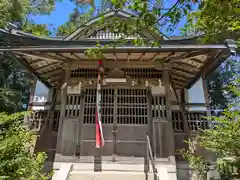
124, 118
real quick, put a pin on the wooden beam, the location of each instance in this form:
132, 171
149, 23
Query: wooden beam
118, 64
56, 76
46, 66
155, 56
170, 135
183, 70
76, 56
167, 59
35, 61
188, 55
187, 65
142, 56
40, 56
51, 72
182, 73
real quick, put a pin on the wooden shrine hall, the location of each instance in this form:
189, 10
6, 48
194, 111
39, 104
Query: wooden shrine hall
144, 90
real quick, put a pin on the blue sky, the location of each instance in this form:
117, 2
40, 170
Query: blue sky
61, 14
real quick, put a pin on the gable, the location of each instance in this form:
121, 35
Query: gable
94, 29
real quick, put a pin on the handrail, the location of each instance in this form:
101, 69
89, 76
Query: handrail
149, 156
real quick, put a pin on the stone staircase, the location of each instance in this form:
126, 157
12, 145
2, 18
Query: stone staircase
126, 168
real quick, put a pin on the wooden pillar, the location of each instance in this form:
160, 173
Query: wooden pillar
150, 121
79, 125
81, 118
62, 111
114, 131
206, 97
170, 135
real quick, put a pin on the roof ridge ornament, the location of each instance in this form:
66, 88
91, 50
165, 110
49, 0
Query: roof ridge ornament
232, 45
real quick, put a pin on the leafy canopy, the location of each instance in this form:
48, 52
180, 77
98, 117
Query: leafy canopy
17, 162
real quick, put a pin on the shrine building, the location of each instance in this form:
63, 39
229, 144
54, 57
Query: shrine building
147, 106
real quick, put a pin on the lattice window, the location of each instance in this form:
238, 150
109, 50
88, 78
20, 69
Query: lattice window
36, 119
132, 106
159, 107
177, 121
86, 73
107, 106
73, 105
196, 121
145, 73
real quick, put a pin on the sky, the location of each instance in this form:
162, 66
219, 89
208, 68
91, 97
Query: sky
63, 9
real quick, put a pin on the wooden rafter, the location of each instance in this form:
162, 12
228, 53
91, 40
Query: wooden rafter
57, 77
47, 66
35, 61
142, 56
63, 57
196, 60
188, 55
191, 66
169, 56
182, 70
179, 75
76, 56
40, 56
179, 80
51, 72
155, 56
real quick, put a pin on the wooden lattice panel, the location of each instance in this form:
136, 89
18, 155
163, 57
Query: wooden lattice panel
159, 107
196, 121
144, 73
132, 106
36, 119
107, 96
138, 73
177, 121
73, 107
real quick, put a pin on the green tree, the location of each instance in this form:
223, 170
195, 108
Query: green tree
223, 140
14, 79
218, 80
17, 161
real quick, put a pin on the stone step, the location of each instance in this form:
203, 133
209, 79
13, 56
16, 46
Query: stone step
110, 175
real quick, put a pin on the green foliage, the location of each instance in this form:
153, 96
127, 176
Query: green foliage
223, 140
14, 85
16, 158
218, 81
215, 17
197, 163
